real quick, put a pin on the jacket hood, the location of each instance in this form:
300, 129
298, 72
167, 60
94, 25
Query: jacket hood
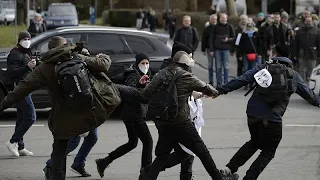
283, 60
60, 53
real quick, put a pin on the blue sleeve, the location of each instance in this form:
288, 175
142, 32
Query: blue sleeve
303, 90
240, 81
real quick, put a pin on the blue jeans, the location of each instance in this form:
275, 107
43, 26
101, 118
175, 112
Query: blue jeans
210, 65
26, 116
250, 64
222, 61
87, 145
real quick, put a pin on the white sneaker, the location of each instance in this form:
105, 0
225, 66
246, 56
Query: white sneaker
13, 148
25, 152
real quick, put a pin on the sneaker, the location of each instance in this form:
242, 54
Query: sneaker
81, 171
47, 172
25, 152
102, 164
13, 148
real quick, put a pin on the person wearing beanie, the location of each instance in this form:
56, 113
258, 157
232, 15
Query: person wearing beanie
177, 46
133, 114
265, 110
180, 129
19, 65
260, 19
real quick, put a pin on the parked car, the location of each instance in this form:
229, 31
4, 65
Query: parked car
60, 15
7, 16
122, 44
314, 82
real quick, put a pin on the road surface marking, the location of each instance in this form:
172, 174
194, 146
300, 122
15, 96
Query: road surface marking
150, 124
302, 125
12, 125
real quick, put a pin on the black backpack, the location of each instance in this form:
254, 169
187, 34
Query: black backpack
74, 81
163, 105
281, 86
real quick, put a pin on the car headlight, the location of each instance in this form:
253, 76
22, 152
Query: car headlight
49, 22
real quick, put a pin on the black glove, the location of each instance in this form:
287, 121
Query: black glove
221, 90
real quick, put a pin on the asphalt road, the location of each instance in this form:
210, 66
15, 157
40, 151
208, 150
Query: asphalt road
225, 130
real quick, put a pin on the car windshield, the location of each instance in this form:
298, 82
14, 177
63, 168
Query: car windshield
62, 10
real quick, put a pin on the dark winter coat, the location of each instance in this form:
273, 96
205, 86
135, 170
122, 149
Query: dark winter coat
17, 66
186, 84
134, 111
188, 36
219, 32
63, 121
259, 109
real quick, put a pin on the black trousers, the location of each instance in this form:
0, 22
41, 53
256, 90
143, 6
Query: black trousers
135, 130
186, 134
59, 159
239, 67
266, 136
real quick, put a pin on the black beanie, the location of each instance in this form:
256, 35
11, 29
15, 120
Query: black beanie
281, 50
140, 57
177, 46
24, 34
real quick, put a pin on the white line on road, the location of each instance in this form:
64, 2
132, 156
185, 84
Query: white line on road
302, 125
12, 125
150, 124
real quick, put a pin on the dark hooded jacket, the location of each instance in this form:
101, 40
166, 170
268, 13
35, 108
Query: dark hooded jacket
17, 66
63, 121
186, 84
134, 110
256, 106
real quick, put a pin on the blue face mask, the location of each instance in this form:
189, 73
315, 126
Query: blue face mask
250, 33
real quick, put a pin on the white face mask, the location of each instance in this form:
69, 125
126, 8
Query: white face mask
25, 43
144, 68
263, 78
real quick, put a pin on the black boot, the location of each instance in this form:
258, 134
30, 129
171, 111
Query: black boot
102, 164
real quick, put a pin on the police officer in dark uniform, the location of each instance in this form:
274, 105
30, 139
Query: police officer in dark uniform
265, 110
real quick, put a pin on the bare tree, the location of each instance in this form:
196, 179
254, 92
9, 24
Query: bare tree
231, 7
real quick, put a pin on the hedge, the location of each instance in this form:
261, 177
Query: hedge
127, 18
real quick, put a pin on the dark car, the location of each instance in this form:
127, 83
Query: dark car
121, 44
61, 15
